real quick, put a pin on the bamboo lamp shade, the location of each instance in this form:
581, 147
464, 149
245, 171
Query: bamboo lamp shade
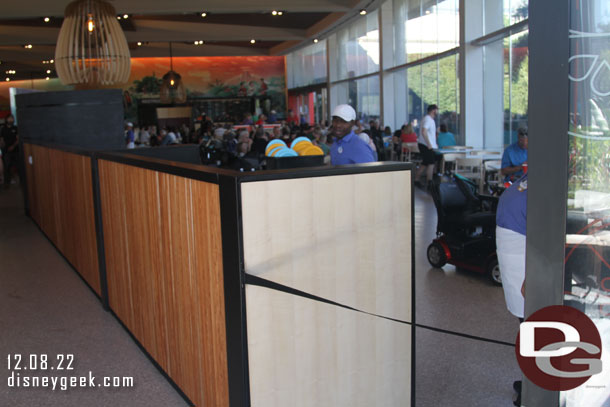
91, 48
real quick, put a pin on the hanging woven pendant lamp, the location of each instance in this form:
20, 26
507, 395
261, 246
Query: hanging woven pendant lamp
172, 88
91, 48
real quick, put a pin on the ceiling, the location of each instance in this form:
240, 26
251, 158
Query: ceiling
226, 30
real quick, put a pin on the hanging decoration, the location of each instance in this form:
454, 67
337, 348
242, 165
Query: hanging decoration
172, 88
91, 48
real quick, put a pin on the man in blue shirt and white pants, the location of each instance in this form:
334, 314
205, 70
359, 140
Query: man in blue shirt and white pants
348, 148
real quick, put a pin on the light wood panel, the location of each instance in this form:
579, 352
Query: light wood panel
164, 267
305, 353
345, 238
60, 194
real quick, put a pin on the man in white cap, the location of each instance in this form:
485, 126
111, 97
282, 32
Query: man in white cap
348, 147
130, 137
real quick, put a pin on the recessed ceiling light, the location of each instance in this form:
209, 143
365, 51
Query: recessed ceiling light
252, 41
8, 79
125, 16
204, 14
362, 12
28, 46
118, 17
52, 61
315, 40
47, 19
280, 13
274, 12
427, 11
48, 71
200, 42
47, 78
139, 43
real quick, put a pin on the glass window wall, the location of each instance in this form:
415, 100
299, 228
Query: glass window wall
307, 66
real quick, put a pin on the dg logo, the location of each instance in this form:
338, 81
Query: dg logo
559, 348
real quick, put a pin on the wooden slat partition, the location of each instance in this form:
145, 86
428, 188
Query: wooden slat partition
60, 195
162, 236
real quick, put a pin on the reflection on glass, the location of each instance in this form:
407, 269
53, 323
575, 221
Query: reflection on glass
414, 107
587, 260
365, 98
516, 74
307, 66
358, 47
448, 93
503, 13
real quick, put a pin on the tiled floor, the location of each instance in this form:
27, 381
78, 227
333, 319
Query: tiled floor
46, 308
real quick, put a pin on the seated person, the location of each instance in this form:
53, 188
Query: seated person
514, 157
445, 139
407, 135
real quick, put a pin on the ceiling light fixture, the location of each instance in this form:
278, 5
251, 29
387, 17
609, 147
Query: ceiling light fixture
139, 44
47, 19
48, 71
315, 40
252, 41
274, 13
363, 12
28, 46
8, 79
47, 78
172, 89
280, 13
125, 16
204, 14
91, 48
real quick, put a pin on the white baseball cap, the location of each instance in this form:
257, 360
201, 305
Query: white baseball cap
346, 112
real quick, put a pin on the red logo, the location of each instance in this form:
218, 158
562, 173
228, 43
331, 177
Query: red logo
559, 348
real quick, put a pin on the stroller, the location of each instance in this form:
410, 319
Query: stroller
466, 228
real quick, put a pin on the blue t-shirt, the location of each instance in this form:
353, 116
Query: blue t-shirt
513, 156
512, 207
350, 150
445, 139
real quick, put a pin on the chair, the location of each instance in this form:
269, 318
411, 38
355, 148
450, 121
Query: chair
471, 168
492, 170
450, 158
408, 150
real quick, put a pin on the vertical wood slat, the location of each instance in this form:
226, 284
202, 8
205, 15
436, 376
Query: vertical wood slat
162, 237
60, 195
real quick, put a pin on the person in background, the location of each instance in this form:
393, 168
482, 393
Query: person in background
144, 136
10, 152
320, 140
445, 139
272, 117
167, 137
277, 133
407, 135
261, 120
130, 137
348, 148
514, 158
426, 142
248, 119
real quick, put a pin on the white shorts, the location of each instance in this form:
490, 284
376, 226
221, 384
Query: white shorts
511, 258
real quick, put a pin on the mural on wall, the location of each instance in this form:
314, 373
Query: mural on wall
260, 78
256, 78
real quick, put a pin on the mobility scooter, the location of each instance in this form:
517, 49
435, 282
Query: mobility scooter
466, 228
